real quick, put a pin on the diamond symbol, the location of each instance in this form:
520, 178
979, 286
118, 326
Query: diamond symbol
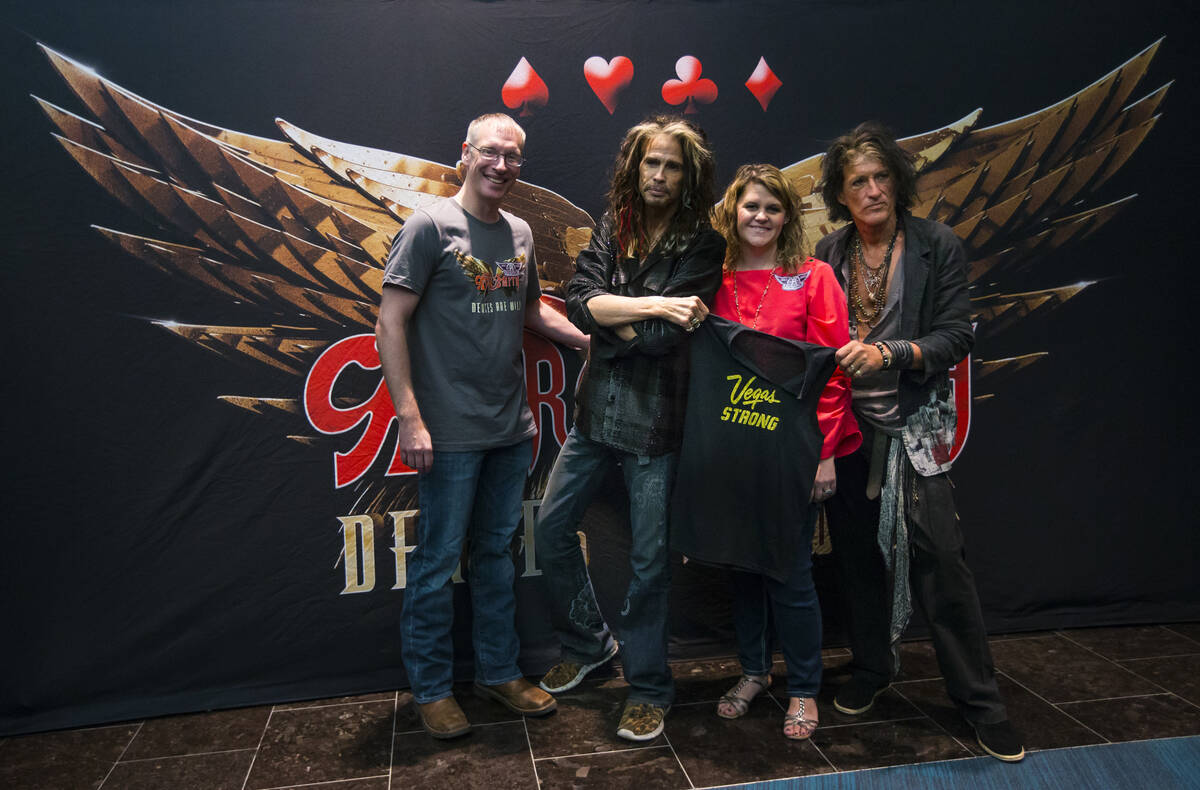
763, 83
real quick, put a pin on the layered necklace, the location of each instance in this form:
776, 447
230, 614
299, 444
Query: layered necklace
868, 307
653, 239
737, 305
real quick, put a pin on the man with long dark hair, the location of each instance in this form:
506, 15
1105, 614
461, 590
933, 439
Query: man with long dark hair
892, 519
639, 288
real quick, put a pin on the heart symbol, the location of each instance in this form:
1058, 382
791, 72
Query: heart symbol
524, 88
689, 87
608, 78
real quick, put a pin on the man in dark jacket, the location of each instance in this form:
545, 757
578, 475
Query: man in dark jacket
905, 279
639, 288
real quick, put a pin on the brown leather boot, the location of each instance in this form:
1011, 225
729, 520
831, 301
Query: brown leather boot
519, 696
443, 718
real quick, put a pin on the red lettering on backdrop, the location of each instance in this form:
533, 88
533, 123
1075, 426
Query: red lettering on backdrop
543, 361
328, 418
960, 382
541, 354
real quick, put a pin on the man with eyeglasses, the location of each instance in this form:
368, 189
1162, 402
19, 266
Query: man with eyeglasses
460, 287
639, 288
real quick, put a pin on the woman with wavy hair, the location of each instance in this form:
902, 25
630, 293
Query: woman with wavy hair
770, 285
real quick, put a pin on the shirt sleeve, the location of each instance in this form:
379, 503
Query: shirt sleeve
592, 267
414, 254
829, 325
950, 336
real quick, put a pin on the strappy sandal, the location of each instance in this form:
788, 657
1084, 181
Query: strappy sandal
807, 726
743, 693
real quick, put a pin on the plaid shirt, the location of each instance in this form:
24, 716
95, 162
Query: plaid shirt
634, 395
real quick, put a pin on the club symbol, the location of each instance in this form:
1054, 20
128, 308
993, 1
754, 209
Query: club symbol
689, 88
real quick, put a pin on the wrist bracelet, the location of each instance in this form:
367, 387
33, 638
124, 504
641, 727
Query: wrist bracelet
902, 352
885, 353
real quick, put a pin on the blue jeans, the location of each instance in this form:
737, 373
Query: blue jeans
472, 497
762, 604
574, 614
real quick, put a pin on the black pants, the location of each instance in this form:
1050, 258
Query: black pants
943, 587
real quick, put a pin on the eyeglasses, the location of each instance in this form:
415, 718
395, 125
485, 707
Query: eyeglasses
492, 155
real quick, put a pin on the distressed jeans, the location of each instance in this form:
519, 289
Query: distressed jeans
471, 497
574, 614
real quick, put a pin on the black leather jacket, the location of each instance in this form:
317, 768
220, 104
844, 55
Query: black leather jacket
634, 394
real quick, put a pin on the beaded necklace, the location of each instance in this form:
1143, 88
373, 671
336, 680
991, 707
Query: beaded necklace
874, 280
738, 308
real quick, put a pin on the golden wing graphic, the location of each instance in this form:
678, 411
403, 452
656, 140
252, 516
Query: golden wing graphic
476, 270
1012, 191
301, 227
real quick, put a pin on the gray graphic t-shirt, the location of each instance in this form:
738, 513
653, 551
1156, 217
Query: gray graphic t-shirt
464, 339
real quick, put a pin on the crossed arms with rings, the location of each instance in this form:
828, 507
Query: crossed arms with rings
619, 312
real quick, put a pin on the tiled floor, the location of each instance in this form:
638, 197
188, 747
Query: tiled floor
1064, 688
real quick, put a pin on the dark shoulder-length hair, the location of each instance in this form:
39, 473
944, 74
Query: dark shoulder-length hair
790, 248
873, 140
625, 204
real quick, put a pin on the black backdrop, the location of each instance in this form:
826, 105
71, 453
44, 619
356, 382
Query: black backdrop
166, 551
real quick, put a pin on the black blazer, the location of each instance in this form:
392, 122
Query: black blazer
935, 306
